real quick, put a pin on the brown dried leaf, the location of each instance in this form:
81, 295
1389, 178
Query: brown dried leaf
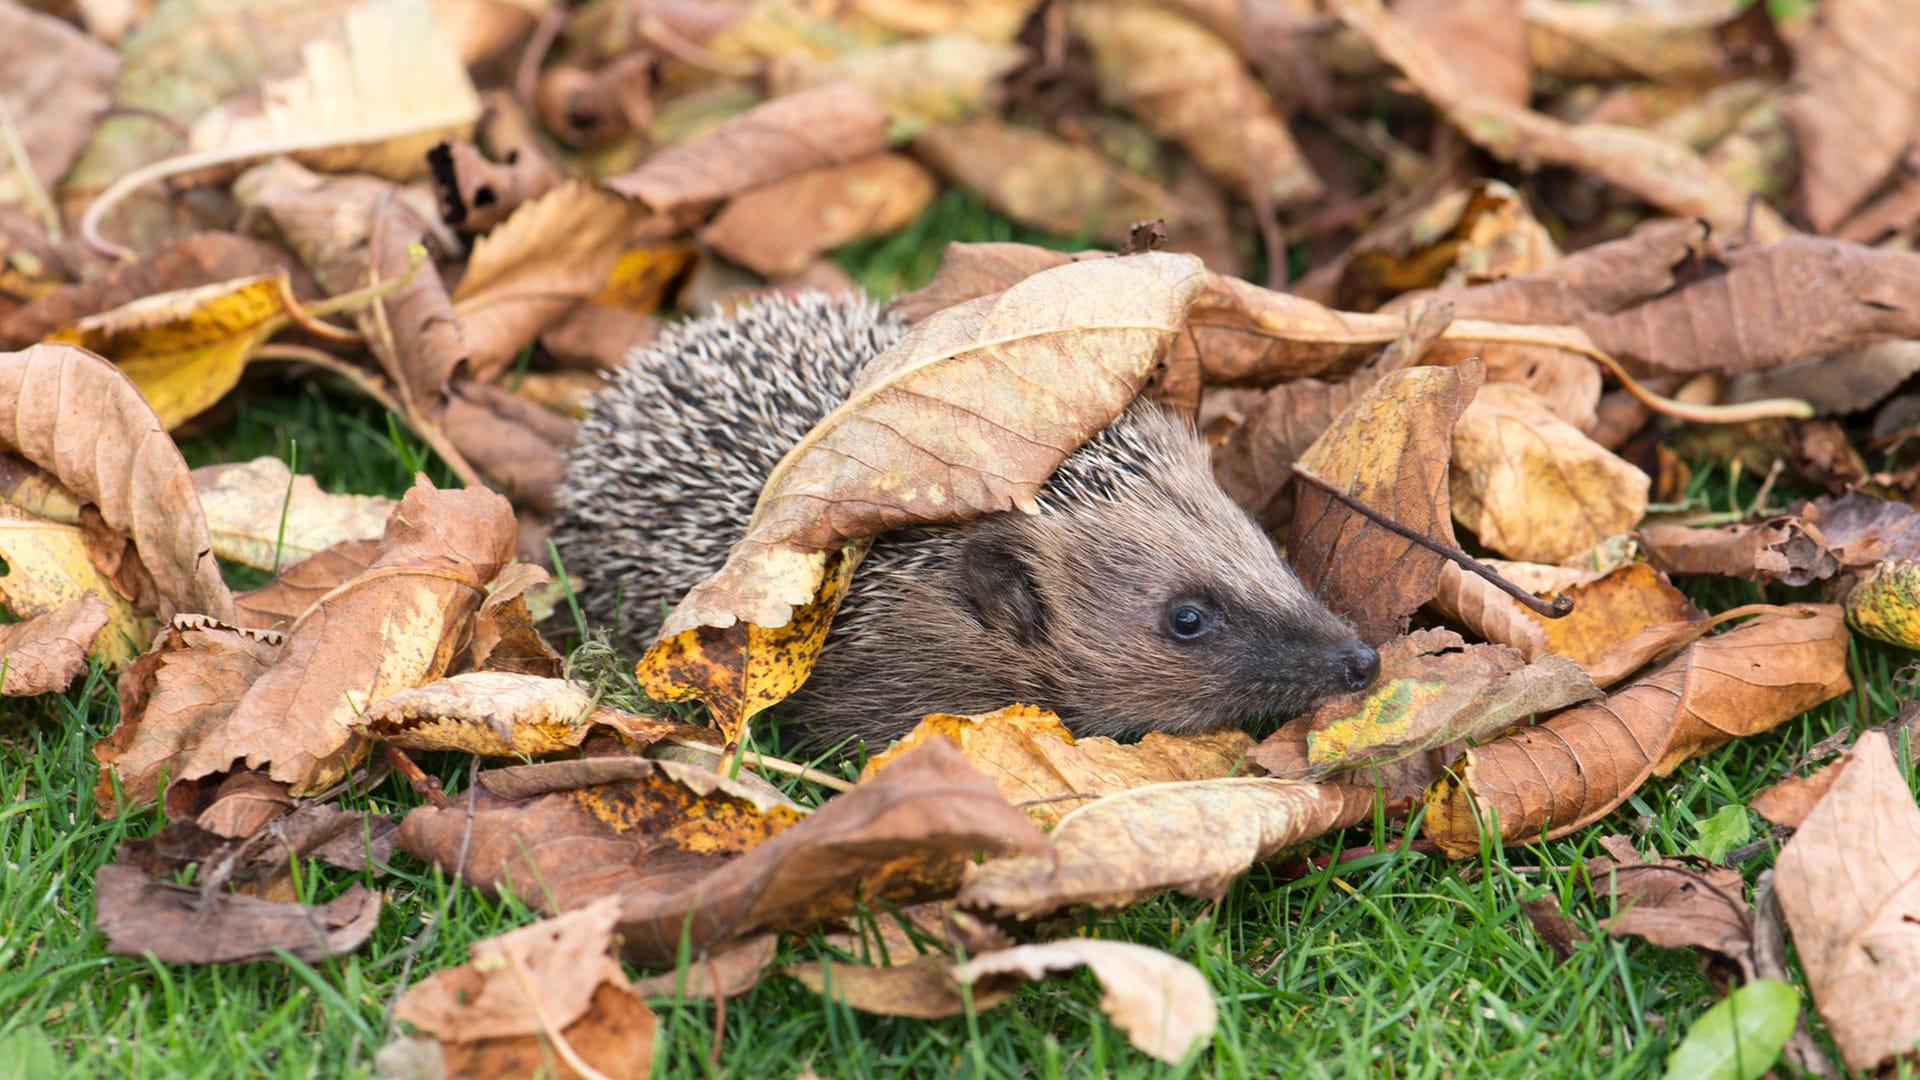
399, 624
922, 988
1658, 169
1188, 86
49, 568
356, 231
716, 974
1684, 43
1531, 486
1482, 232
902, 836
1195, 837
503, 635
1575, 768
263, 516
779, 229
72, 414
1035, 761
500, 714
44, 653
1162, 1002
476, 193
54, 83
548, 256
180, 925
919, 81
1854, 103
1847, 882
772, 141
1389, 451
510, 439
1677, 902
497, 1014
275, 605
174, 700
1042, 181
1484, 42
1765, 305
1433, 689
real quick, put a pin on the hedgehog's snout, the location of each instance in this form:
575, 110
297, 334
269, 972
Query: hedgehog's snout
1357, 665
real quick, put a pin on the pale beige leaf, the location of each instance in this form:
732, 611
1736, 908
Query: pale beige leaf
1162, 1002
263, 516
48, 568
45, 653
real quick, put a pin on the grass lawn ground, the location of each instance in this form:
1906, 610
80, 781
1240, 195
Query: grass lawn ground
1396, 965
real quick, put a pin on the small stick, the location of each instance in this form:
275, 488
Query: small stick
421, 782
1559, 608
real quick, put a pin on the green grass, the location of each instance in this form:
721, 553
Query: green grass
1397, 964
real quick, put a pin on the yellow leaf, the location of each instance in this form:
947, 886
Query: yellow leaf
1886, 603
185, 349
47, 566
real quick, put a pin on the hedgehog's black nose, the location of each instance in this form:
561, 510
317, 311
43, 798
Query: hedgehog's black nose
1358, 664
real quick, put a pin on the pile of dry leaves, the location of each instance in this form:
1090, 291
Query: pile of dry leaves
1698, 252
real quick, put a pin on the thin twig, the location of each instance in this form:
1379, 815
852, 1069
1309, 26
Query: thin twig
547, 1026
420, 781
36, 193
768, 764
1559, 608
690, 53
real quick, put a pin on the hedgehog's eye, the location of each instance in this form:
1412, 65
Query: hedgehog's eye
1188, 621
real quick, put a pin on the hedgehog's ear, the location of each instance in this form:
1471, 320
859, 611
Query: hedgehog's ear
999, 585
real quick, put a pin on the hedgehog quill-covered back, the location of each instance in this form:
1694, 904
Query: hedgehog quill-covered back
1139, 599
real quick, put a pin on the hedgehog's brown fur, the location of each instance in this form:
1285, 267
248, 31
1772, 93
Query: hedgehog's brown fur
1070, 609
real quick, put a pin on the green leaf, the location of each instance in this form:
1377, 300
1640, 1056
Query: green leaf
1727, 829
1740, 1038
25, 1053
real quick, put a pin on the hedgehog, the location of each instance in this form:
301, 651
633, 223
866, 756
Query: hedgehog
1140, 598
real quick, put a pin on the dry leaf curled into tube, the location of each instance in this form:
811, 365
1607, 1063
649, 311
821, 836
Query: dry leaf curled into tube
1162, 1002
1849, 882
1035, 761
263, 516
182, 925
902, 836
783, 137
497, 1014
1657, 169
1531, 486
73, 415
1188, 86
399, 624
1576, 767
1195, 837
1389, 451
929, 437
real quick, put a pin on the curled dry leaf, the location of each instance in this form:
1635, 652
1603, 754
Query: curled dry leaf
1677, 902
968, 415
1042, 181
552, 253
922, 988
175, 700
1779, 549
1768, 305
261, 515
1849, 882
1854, 103
1433, 689
559, 979
1195, 837
1039, 766
180, 925
1186, 84
73, 415
717, 974
399, 624
1658, 169
779, 229
500, 714
1481, 232
44, 653
1162, 1002
780, 138
1389, 451
1531, 486
516, 442
503, 635
48, 569
1575, 768
687, 854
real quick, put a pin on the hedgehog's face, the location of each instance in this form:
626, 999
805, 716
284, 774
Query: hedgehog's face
1165, 611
